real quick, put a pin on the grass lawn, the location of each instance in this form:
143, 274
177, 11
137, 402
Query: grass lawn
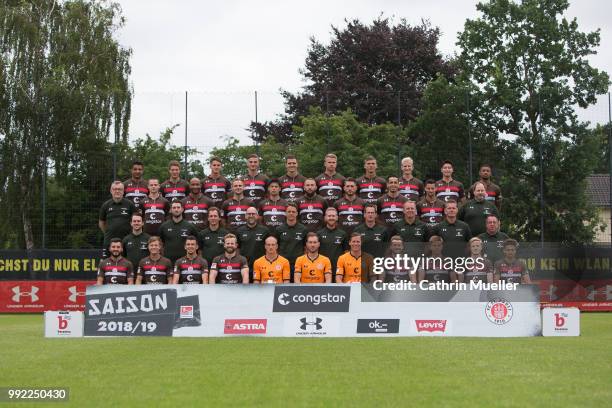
432, 371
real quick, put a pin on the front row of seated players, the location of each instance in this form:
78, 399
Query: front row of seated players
353, 266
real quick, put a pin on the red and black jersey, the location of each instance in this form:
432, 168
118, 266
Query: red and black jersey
234, 212
190, 270
494, 195
115, 271
449, 191
430, 213
511, 272
155, 212
311, 211
216, 189
273, 212
229, 269
292, 188
350, 213
391, 209
412, 189
435, 270
136, 191
155, 271
370, 189
255, 188
478, 274
196, 210
330, 187
174, 190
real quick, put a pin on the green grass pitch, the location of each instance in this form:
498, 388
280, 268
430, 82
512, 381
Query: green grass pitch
436, 372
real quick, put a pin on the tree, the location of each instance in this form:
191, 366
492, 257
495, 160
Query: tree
602, 134
379, 71
450, 117
317, 135
156, 154
529, 67
351, 140
234, 157
64, 87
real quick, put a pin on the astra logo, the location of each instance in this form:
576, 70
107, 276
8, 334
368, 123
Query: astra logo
245, 326
316, 323
311, 299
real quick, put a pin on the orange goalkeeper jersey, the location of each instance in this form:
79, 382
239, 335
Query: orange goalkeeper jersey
313, 271
349, 267
276, 271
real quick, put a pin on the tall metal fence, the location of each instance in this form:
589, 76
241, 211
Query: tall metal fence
205, 121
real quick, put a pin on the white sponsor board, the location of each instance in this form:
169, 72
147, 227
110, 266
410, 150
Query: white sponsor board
561, 321
63, 324
332, 310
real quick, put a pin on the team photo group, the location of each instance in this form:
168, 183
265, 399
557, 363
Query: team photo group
298, 229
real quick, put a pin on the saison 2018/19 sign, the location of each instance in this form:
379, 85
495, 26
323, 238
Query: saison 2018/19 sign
149, 312
64, 264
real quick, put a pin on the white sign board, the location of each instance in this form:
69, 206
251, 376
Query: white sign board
332, 310
63, 324
561, 321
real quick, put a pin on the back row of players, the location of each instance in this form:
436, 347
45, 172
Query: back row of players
330, 204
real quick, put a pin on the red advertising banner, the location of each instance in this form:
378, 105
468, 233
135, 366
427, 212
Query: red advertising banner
38, 296
587, 295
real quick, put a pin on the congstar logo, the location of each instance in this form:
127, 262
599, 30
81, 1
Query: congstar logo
311, 299
283, 299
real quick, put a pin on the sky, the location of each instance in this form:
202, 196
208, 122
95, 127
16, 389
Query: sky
220, 53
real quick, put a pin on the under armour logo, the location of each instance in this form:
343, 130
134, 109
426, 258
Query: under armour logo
32, 293
74, 293
306, 323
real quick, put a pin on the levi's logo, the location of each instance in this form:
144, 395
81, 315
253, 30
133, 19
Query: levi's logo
431, 325
245, 326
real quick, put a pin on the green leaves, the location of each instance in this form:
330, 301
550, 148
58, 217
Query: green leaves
529, 64
64, 78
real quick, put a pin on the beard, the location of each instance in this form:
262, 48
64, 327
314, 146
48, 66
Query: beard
230, 250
